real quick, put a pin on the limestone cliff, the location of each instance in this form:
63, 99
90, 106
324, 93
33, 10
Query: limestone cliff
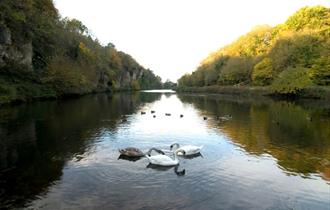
43, 55
12, 53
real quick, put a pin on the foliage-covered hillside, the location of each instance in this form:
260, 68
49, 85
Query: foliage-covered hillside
287, 57
43, 55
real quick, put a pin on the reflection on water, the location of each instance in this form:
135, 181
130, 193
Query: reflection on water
64, 154
298, 137
166, 168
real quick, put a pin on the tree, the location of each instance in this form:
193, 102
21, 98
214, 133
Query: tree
75, 26
263, 72
292, 81
237, 70
261, 55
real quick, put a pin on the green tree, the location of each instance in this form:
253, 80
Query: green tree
292, 81
236, 71
263, 72
320, 71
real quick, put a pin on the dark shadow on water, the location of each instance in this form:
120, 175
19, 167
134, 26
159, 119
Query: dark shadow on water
36, 140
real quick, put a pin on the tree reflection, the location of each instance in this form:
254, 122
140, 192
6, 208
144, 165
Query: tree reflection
37, 140
296, 134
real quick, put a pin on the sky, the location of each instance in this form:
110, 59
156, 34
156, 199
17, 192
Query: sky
172, 37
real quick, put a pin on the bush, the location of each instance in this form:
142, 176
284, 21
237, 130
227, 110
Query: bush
66, 76
7, 93
135, 85
292, 81
320, 72
237, 70
262, 73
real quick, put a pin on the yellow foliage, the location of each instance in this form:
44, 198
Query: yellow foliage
66, 76
86, 52
262, 73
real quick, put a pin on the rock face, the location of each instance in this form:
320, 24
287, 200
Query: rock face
5, 36
104, 83
9, 53
127, 77
124, 81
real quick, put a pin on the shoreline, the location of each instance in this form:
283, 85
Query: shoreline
317, 93
62, 97
313, 93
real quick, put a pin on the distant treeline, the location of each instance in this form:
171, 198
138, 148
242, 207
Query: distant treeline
287, 58
44, 55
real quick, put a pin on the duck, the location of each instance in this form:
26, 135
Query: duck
167, 114
154, 116
205, 118
186, 149
143, 113
163, 160
124, 120
181, 115
152, 111
135, 152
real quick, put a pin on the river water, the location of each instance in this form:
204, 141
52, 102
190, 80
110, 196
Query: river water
64, 154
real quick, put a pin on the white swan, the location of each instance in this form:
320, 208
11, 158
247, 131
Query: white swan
163, 160
186, 149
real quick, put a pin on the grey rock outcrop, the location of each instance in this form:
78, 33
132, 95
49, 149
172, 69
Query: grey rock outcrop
127, 77
10, 53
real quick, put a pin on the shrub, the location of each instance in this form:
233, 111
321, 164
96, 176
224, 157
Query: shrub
237, 70
291, 81
320, 72
135, 85
262, 73
7, 93
66, 76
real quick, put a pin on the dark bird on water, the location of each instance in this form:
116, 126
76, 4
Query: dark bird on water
181, 115
152, 111
154, 116
167, 114
205, 118
143, 113
123, 118
135, 152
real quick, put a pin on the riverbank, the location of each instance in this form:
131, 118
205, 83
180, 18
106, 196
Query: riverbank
42, 93
26, 92
316, 92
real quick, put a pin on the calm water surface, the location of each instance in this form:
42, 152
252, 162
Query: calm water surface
64, 154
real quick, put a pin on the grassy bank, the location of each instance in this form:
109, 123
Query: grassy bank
315, 92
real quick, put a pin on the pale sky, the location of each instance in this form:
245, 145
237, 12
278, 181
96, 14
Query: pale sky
171, 37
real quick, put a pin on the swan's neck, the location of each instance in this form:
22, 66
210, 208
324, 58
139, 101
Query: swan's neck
175, 155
